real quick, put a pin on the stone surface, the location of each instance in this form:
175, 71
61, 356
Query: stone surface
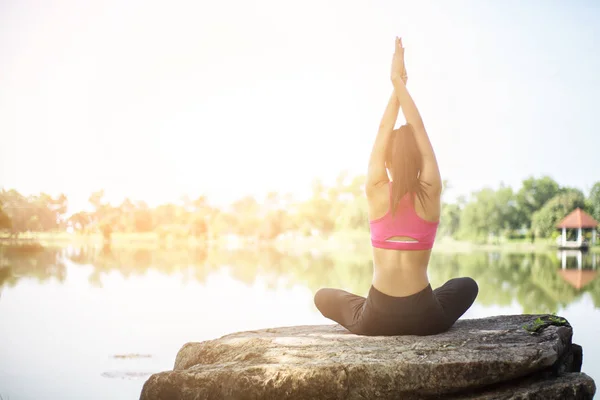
328, 362
569, 386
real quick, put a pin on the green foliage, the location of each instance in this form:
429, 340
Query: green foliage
541, 323
490, 213
473, 223
593, 201
544, 220
532, 196
449, 220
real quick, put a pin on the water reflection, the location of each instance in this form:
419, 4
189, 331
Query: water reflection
578, 259
578, 268
541, 282
41, 265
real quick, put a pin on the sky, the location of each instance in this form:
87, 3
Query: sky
153, 100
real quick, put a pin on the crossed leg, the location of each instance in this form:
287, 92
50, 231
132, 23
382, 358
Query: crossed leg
456, 296
340, 306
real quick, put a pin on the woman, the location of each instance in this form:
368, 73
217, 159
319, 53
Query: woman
403, 191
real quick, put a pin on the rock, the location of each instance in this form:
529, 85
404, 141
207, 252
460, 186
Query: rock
477, 357
564, 387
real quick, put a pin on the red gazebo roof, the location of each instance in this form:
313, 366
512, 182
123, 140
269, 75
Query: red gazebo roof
578, 219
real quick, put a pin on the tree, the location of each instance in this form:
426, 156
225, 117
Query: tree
474, 220
80, 221
165, 215
105, 217
4, 219
532, 196
544, 220
223, 223
246, 213
356, 187
58, 206
506, 204
315, 214
127, 216
491, 212
449, 219
319, 212
143, 218
353, 215
96, 199
34, 224
198, 227
272, 225
450, 213
593, 201
17, 208
45, 213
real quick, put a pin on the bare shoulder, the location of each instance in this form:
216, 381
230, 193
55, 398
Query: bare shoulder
378, 200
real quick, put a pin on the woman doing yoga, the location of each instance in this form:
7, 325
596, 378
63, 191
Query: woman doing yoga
403, 191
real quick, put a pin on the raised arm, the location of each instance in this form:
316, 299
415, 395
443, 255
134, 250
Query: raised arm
430, 172
376, 173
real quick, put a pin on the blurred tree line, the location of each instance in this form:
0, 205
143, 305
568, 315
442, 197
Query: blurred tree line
531, 211
19, 213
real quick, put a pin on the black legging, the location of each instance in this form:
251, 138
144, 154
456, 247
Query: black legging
424, 313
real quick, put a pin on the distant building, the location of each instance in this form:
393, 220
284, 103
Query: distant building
580, 220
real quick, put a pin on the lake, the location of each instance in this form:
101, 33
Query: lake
87, 323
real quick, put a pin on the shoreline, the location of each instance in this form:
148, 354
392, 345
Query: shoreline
357, 241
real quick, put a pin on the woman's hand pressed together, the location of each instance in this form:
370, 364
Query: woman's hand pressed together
398, 66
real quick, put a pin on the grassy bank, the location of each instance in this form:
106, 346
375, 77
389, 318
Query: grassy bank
63, 239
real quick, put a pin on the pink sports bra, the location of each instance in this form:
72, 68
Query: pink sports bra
406, 223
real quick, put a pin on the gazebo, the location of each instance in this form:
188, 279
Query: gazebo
580, 220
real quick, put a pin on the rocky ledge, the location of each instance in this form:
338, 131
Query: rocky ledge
505, 357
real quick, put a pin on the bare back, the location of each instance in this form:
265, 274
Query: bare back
400, 272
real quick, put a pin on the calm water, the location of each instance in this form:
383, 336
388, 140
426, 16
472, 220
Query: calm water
93, 324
